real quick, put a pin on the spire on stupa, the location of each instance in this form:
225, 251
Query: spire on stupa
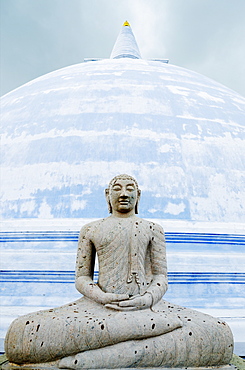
125, 45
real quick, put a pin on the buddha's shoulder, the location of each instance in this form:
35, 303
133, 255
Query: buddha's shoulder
151, 225
92, 225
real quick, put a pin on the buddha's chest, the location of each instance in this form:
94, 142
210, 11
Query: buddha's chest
124, 238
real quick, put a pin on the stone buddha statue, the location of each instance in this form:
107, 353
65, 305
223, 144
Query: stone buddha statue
121, 320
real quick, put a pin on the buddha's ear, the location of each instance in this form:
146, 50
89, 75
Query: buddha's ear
108, 200
137, 203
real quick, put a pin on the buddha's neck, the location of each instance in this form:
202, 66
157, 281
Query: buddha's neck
123, 215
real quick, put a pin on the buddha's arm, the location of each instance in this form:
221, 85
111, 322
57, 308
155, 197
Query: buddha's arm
159, 284
85, 270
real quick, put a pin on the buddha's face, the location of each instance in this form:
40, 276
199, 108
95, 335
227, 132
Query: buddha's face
123, 196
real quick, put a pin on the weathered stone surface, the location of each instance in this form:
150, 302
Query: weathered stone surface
122, 320
44, 366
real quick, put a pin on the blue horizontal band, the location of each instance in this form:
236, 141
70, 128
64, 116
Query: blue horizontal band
29, 276
72, 236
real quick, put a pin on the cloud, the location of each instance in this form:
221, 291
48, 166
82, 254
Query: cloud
42, 35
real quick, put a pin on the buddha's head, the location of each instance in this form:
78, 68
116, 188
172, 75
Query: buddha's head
123, 195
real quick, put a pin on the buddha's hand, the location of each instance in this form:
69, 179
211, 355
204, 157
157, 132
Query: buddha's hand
138, 302
112, 298
89, 289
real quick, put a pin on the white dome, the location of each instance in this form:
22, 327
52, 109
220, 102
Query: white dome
67, 133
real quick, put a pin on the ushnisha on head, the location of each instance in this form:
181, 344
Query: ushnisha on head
123, 195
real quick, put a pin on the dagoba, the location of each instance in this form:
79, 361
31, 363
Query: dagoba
67, 133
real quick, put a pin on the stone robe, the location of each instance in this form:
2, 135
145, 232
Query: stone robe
131, 251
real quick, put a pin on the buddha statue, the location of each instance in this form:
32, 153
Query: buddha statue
121, 320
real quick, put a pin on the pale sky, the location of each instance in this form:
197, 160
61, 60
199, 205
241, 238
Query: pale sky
40, 36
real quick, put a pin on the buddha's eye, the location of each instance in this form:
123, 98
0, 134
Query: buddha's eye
116, 188
130, 188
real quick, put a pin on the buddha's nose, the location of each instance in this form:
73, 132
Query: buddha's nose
124, 193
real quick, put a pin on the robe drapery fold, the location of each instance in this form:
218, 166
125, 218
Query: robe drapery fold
130, 252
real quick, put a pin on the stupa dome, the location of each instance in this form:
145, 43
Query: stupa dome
67, 133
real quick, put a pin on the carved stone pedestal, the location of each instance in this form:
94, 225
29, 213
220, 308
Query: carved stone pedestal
52, 366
